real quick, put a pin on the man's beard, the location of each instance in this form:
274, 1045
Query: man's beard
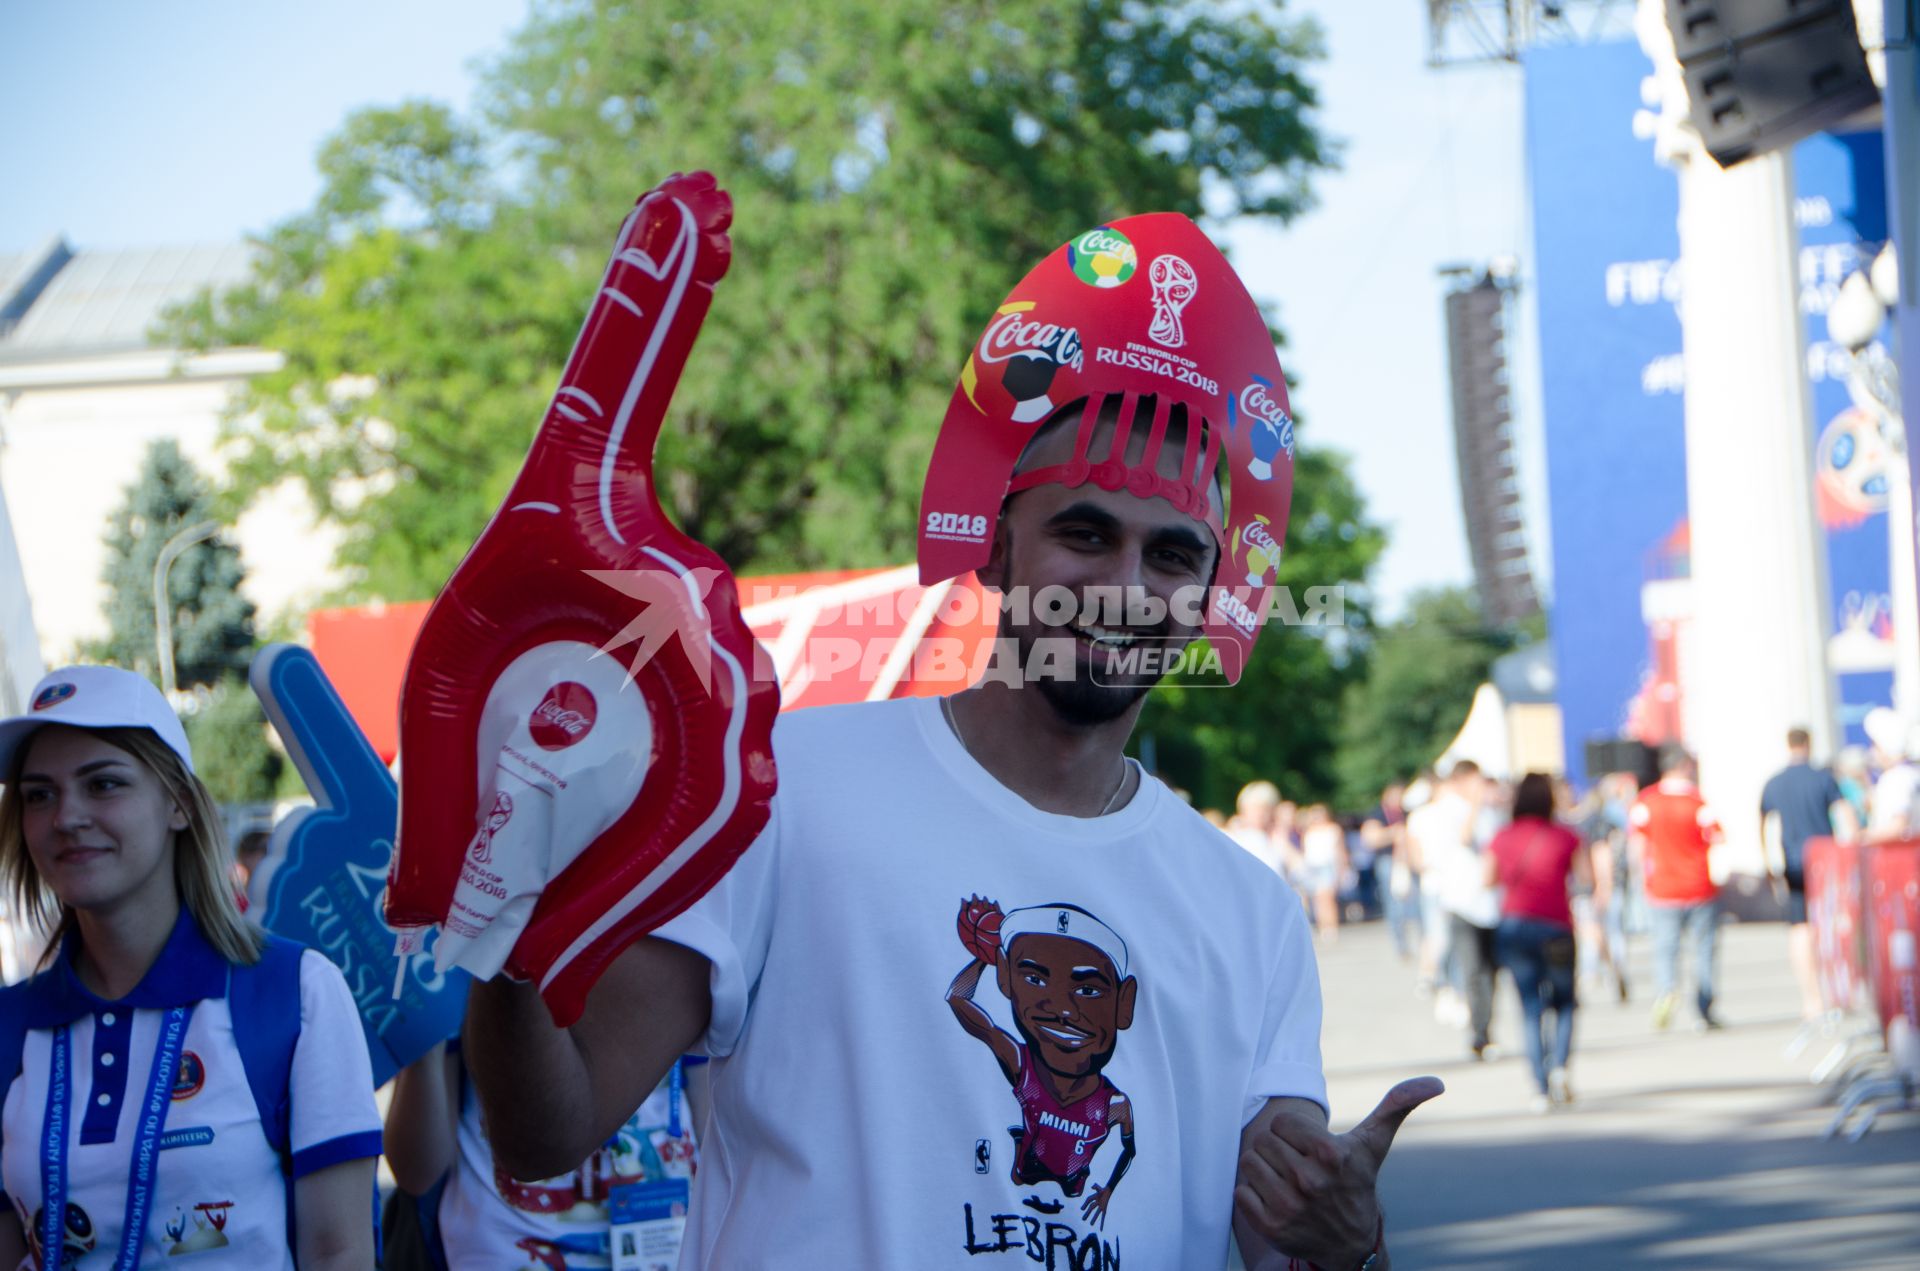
1077, 700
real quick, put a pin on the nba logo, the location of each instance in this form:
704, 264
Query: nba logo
982, 1156
1063, 922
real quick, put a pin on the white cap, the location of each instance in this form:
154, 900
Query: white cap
94, 697
1890, 734
1070, 921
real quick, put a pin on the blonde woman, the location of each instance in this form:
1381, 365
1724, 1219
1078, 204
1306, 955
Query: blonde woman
175, 1082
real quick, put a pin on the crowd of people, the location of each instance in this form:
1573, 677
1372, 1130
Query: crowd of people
1474, 876
108, 838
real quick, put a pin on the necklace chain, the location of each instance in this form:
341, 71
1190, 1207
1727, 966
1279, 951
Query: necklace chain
953, 722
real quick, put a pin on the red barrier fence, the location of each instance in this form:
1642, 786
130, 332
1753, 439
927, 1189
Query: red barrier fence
1836, 896
1893, 919
1863, 904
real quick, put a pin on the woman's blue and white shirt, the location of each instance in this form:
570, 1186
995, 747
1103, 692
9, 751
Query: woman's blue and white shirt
219, 1191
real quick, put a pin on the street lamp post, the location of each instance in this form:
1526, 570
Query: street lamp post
162, 611
1854, 320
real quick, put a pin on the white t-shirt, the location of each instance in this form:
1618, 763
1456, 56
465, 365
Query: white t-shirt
489, 1222
1895, 796
874, 1103
219, 1191
1451, 865
1264, 846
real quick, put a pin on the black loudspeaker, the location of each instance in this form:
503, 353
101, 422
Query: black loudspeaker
1623, 754
1762, 74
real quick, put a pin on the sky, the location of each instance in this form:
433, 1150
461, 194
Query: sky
134, 125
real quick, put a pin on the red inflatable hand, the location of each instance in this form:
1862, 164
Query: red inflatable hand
585, 737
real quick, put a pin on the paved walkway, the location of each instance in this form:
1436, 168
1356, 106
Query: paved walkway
1682, 1149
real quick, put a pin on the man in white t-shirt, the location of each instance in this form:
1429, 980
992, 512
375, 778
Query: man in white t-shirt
1151, 1089
1256, 825
1892, 808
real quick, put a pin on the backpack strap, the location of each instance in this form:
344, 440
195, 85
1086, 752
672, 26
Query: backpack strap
264, 999
13, 1034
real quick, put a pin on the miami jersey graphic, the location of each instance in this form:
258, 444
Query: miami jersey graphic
1064, 974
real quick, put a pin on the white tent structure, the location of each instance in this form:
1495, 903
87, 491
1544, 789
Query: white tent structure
1513, 726
1483, 738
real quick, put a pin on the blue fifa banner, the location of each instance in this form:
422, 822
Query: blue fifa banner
329, 865
1608, 283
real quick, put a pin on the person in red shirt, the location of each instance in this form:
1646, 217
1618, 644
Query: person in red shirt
1673, 830
1531, 860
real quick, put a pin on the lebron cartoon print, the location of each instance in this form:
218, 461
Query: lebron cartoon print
1064, 974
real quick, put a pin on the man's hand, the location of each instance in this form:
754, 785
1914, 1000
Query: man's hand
1093, 1210
1308, 1192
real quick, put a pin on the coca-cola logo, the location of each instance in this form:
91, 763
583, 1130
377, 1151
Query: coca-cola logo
1257, 402
564, 716
1014, 335
1257, 534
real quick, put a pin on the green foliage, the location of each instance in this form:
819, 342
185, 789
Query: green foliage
1420, 684
212, 622
1279, 721
230, 747
895, 169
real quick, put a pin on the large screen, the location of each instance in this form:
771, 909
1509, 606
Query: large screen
1608, 280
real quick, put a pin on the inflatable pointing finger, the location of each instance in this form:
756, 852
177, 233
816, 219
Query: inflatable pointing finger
330, 864
585, 739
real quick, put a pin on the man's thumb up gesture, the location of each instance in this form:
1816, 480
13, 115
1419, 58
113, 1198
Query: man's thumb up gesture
1309, 1193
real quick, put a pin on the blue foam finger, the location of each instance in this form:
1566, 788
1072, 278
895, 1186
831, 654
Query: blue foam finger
329, 884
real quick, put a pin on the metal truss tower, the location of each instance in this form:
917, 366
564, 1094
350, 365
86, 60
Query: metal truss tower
1470, 32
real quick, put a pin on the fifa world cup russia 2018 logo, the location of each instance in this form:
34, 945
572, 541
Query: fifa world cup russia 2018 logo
496, 821
1174, 284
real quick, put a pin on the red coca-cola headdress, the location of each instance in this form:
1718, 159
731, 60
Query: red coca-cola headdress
1143, 306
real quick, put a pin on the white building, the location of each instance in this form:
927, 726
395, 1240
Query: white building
82, 394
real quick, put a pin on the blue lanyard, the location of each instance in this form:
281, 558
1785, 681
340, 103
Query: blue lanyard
675, 1082
146, 1144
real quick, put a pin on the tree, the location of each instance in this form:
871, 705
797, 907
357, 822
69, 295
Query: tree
212, 623
1423, 672
228, 733
1279, 722
895, 169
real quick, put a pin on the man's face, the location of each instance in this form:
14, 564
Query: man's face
1260, 814
1069, 1003
1085, 538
